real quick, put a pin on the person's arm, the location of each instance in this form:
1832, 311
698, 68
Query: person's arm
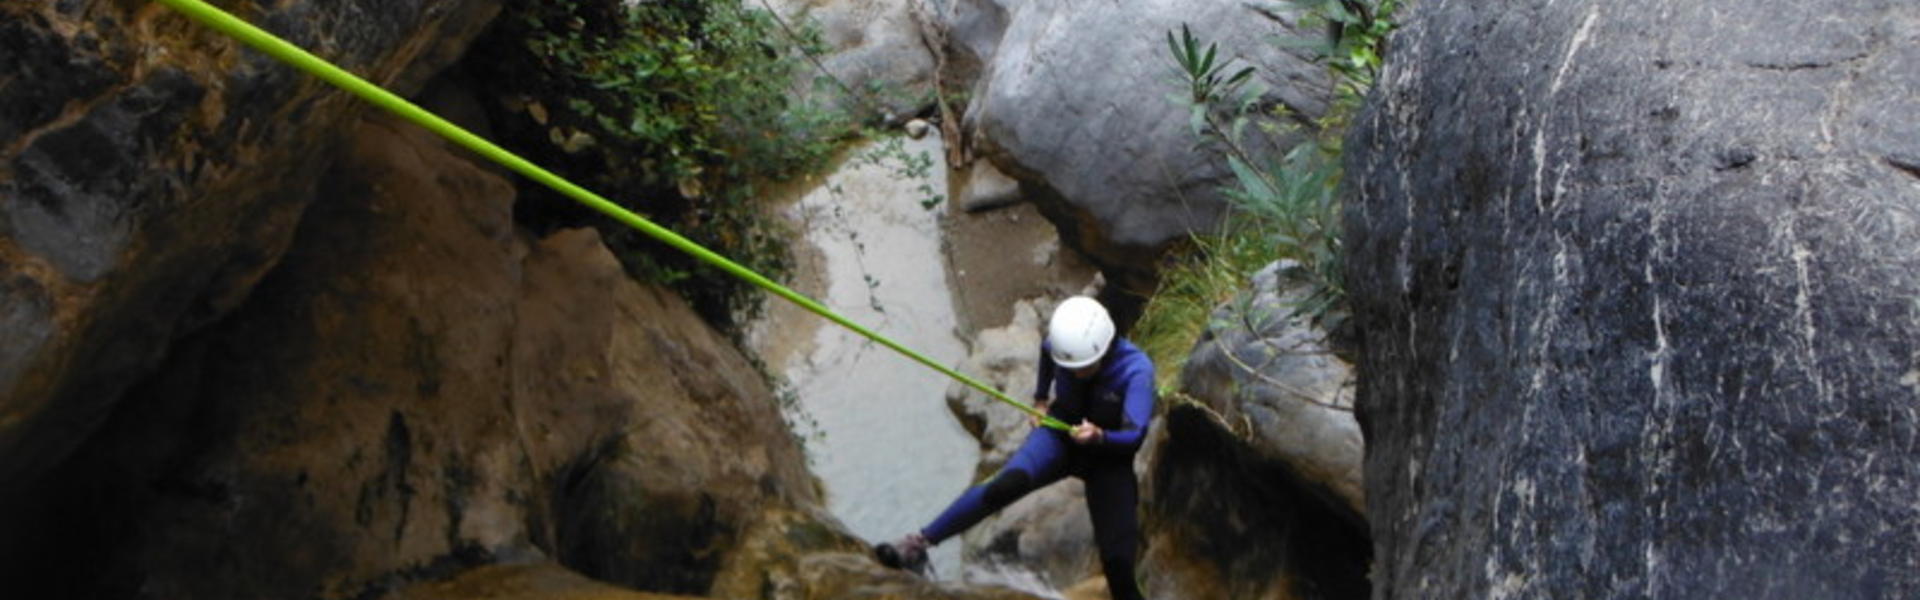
1137, 409
1043, 376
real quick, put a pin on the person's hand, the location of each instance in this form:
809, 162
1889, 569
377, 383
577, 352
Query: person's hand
1087, 433
1039, 406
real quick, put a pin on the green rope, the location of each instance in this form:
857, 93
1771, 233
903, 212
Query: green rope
226, 23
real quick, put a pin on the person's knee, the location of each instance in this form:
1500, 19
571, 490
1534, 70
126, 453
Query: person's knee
1007, 485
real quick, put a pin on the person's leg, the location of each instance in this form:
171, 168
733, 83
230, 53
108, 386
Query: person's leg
1039, 461
1112, 497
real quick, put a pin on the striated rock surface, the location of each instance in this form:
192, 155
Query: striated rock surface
151, 172
1274, 379
1073, 101
1636, 282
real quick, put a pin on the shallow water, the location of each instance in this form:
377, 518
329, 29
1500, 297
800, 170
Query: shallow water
881, 438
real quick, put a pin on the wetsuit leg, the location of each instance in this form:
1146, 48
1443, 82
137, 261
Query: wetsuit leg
1041, 460
1112, 497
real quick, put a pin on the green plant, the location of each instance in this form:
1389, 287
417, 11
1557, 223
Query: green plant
1284, 203
1196, 278
1286, 198
892, 154
1355, 41
678, 109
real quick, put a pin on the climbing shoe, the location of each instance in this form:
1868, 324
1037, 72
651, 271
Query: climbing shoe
908, 553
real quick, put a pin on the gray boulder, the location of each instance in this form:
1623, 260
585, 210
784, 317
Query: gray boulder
1253, 485
1636, 283
1042, 542
1271, 375
1073, 100
875, 49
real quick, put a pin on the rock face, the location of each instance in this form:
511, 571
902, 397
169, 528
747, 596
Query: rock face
875, 48
1271, 375
1253, 486
152, 172
1636, 281
1073, 101
417, 390
1224, 520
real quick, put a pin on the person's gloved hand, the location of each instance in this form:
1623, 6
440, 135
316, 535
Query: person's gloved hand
1087, 433
1040, 406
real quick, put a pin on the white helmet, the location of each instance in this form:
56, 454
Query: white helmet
1080, 332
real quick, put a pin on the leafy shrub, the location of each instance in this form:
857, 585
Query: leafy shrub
678, 109
1285, 204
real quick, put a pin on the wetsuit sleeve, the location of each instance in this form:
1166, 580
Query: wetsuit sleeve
1138, 408
1043, 379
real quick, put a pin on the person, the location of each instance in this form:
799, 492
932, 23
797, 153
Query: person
1104, 387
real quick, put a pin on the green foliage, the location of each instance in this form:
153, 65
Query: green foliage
699, 87
678, 109
1285, 204
1356, 39
1195, 279
891, 154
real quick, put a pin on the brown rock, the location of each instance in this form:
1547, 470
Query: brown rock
154, 171
373, 410
417, 391
542, 581
857, 577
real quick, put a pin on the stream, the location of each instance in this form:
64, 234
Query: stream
877, 428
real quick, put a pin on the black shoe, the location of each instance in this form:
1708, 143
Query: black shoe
909, 553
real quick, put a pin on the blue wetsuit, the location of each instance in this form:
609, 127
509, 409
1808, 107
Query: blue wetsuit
1119, 399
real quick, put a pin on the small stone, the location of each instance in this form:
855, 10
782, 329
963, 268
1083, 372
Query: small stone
988, 189
918, 128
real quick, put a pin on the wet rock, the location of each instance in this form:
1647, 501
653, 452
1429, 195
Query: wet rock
1605, 355
155, 171
1271, 375
1072, 101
